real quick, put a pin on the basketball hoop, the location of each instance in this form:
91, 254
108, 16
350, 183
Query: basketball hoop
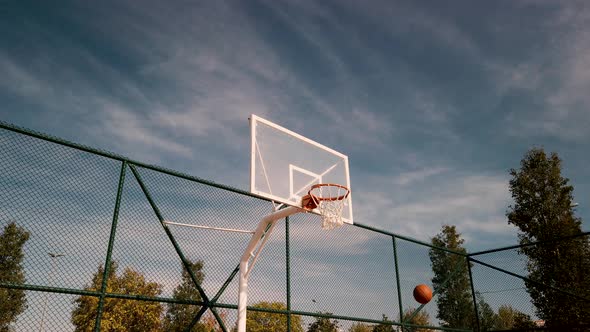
330, 200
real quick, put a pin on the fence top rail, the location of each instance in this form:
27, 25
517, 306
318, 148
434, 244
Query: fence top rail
518, 246
409, 239
111, 155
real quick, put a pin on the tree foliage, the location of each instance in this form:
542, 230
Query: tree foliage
323, 324
258, 321
505, 320
523, 321
451, 280
210, 323
12, 301
421, 318
487, 316
360, 327
510, 318
542, 211
119, 314
384, 327
179, 316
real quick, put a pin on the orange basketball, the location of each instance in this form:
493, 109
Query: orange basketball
422, 294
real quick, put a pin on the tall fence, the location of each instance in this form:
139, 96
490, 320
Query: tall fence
98, 247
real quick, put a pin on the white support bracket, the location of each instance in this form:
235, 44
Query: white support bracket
209, 227
257, 242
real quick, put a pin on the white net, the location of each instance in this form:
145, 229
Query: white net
330, 200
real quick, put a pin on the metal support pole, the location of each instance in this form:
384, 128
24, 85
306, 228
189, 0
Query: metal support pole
255, 246
107, 263
288, 270
473, 293
399, 291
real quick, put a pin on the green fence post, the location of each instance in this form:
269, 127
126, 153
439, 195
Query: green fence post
399, 291
468, 259
288, 262
107, 263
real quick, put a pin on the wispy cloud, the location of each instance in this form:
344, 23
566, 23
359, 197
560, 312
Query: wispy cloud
18, 80
195, 79
418, 175
127, 125
209, 88
474, 203
557, 78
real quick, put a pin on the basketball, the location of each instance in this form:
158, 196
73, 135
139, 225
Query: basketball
422, 294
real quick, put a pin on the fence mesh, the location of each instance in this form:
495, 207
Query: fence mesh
543, 284
83, 215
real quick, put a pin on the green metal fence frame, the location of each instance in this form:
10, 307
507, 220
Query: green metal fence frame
207, 303
212, 304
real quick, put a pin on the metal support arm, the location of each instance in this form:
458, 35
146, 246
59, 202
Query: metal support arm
257, 242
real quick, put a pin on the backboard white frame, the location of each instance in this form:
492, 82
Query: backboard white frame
254, 120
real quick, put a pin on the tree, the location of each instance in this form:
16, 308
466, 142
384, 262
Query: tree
487, 316
421, 318
542, 211
119, 314
323, 324
510, 318
12, 301
360, 327
451, 280
523, 321
505, 320
383, 327
259, 321
210, 322
179, 316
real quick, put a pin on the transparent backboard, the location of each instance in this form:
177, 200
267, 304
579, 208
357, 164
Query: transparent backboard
284, 165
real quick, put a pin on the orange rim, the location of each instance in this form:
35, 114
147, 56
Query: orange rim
337, 198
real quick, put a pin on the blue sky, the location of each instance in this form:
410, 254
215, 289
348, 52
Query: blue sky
432, 102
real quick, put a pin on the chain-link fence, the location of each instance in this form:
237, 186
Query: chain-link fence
86, 247
547, 278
